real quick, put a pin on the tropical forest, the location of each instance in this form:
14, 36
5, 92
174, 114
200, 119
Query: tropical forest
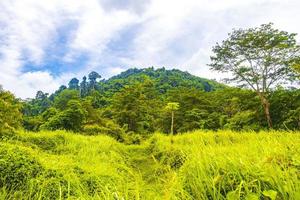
162, 132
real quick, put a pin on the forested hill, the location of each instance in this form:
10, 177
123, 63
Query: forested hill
136, 102
162, 78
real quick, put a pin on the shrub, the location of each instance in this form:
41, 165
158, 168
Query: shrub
7, 133
109, 128
93, 129
10, 115
245, 120
17, 167
133, 138
71, 118
45, 142
32, 123
173, 158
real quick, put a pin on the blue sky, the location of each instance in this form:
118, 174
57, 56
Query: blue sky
44, 43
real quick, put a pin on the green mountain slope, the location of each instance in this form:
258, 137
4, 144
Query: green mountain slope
163, 80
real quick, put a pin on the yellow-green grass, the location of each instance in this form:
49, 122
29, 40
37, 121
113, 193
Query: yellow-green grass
196, 165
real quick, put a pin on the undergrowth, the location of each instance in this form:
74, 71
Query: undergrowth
197, 165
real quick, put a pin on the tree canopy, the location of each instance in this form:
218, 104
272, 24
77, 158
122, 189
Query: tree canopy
10, 111
260, 58
135, 101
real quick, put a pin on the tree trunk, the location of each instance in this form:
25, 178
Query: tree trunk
266, 106
172, 123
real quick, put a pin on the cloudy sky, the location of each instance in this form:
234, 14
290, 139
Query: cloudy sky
44, 43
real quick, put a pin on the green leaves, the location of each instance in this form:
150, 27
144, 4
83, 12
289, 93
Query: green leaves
172, 106
10, 111
252, 196
137, 107
270, 193
257, 55
233, 195
61, 100
259, 58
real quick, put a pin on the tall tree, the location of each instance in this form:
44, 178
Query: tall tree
73, 84
40, 95
83, 87
93, 76
260, 58
136, 107
61, 100
172, 107
71, 118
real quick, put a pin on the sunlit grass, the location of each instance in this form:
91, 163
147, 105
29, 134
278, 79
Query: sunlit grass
196, 165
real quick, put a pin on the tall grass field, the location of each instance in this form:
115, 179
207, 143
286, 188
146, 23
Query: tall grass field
196, 165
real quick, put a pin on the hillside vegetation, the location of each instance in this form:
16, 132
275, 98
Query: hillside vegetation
135, 102
197, 165
163, 134
163, 79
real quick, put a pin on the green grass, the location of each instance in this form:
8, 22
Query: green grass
197, 165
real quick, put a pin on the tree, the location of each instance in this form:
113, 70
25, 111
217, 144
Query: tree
74, 116
136, 107
172, 107
193, 104
285, 107
71, 118
61, 100
40, 95
259, 58
10, 111
93, 76
83, 87
73, 84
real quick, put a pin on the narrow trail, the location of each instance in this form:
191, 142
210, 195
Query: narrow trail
154, 177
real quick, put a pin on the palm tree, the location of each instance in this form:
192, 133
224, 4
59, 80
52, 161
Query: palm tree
172, 107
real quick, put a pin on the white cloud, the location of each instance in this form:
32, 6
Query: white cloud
200, 24
170, 33
96, 28
31, 82
29, 27
26, 28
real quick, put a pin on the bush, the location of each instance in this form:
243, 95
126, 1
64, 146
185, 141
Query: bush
10, 114
174, 158
133, 138
292, 121
71, 118
109, 128
167, 155
245, 120
7, 133
45, 142
17, 167
93, 129
32, 123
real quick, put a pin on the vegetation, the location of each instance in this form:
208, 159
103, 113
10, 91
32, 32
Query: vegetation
108, 139
258, 57
10, 115
197, 165
135, 101
172, 107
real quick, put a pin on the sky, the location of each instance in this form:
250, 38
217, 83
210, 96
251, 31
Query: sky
45, 43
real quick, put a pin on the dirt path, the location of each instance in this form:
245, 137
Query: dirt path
153, 175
